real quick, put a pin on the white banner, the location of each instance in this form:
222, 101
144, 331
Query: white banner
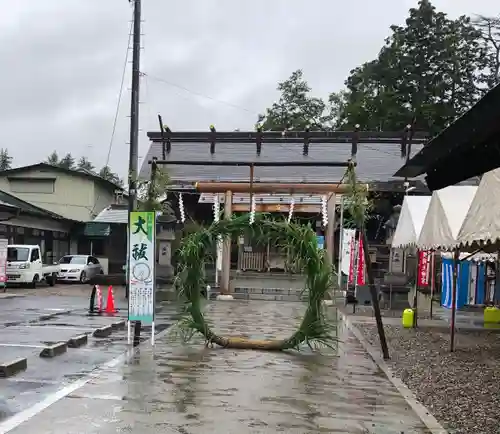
218, 254
347, 245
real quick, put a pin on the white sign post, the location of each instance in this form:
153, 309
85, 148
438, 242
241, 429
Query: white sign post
142, 258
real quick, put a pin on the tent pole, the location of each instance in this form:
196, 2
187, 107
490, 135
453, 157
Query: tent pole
433, 265
415, 295
454, 300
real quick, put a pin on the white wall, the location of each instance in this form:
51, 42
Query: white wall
73, 197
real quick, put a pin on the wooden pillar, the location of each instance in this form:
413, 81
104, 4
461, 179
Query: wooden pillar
226, 246
330, 228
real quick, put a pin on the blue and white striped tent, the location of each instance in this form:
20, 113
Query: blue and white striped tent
471, 280
447, 283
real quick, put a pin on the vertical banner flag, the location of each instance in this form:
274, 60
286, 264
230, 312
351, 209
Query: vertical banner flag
142, 254
360, 275
424, 258
3, 261
347, 247
353, 259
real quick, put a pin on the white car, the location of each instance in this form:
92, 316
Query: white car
79, 268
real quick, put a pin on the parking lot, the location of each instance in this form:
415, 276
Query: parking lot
33, 321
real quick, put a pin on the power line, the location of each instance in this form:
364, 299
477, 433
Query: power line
120, 94
192, 92
235, 106
117, 111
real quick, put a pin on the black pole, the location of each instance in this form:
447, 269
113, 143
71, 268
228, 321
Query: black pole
374, 296
152, 185
163, 144
134, 130
371, 283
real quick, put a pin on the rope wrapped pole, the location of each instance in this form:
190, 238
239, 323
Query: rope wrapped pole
359, 220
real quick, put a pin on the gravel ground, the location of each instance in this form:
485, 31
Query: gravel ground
367, 311
461, 389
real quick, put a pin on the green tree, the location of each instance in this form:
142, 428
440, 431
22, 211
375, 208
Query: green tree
490, 34
109, 175
53, 159
151, 196
67, 162
85, 164
427, 73
5, 159
296, 109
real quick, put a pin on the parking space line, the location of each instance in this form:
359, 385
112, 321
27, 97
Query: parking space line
25, 415
21, 345
56, 327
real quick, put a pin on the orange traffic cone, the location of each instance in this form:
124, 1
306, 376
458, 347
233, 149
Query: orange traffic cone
110, 302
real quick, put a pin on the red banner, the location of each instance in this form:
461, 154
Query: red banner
357, 265
424, 266
361, 263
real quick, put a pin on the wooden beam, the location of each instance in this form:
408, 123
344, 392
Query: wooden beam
330, 228
278, 137
267, 187
226, 247
285, 207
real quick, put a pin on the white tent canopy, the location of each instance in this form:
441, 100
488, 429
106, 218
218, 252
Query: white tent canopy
411, 220
482, 223
474, 257
446, 213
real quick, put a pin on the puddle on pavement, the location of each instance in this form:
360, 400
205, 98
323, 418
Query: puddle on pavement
193, 389
198, 390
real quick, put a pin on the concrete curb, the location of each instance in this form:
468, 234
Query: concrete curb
119, 325
41, 318
13, 367
7, 295
102, 332
54, 350
49, 316
422, 412
18, 419
78, 341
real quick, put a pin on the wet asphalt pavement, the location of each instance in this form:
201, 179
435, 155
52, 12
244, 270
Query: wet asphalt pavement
190, 389
30, 323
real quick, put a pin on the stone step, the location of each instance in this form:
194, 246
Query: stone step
268, 297
266, 276
269, 291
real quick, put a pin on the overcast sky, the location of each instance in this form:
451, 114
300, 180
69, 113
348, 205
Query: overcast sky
209, 61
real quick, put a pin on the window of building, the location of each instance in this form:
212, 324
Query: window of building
32, 185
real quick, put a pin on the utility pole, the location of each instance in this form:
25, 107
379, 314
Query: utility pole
134, 135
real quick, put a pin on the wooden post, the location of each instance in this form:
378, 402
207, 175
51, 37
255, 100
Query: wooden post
330, 228
226, 246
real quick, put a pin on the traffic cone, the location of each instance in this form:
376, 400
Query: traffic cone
110, 302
